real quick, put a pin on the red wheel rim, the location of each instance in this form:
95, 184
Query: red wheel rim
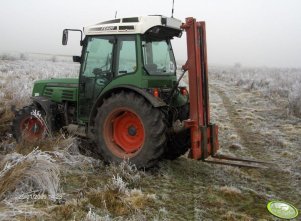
32, 129
124, 132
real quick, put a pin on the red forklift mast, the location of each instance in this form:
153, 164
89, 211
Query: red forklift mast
204, 134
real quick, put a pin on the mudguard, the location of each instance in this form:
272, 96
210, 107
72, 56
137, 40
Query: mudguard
48, 106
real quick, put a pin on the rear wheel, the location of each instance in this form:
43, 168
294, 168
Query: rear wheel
28, 126
128, 127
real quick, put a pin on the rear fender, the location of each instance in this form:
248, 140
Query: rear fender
48, 106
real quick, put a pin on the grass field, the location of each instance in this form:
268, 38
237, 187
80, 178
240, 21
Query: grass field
258, 111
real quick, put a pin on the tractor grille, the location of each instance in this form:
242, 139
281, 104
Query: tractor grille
67, 95
48, 92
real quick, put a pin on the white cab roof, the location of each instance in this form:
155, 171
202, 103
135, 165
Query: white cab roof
133, 25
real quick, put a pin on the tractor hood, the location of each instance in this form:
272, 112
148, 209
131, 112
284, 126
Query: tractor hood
57, 89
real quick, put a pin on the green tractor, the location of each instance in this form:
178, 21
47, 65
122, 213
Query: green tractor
127, 99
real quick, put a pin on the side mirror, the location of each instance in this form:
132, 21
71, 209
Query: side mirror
65, 37
77, 59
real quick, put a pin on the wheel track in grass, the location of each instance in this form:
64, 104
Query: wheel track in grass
248, 137
277, 181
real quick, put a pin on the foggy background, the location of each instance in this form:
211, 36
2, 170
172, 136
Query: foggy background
252, 32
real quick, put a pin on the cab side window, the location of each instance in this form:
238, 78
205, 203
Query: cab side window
158, 57
126, 55
98, 56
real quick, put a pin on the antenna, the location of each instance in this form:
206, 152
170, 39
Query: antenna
172, 10
115, 14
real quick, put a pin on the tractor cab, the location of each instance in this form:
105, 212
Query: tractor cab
132, 51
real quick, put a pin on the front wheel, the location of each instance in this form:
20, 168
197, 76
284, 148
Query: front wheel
29, 125
128, 127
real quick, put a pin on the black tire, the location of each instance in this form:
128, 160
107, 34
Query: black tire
178, 144
151, 119
24, 134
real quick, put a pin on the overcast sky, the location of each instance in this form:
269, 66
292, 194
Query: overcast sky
252, 32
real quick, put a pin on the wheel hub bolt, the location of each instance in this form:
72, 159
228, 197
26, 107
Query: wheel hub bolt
132, 131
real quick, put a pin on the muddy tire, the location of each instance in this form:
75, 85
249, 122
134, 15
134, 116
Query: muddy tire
178, 144
129, 127
26, 127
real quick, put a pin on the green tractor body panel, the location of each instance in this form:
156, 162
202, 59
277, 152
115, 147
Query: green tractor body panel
58, 89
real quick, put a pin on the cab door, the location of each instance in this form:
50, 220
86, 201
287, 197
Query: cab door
96, 71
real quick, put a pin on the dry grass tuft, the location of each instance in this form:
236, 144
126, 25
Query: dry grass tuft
111, 200
64, 150
118, 200
120, 204
36, 173
138, 200
70, 157
231, 192
127, 172
11, 178
64, 212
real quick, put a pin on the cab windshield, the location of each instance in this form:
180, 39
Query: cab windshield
158, 57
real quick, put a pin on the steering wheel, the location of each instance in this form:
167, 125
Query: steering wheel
105, 75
